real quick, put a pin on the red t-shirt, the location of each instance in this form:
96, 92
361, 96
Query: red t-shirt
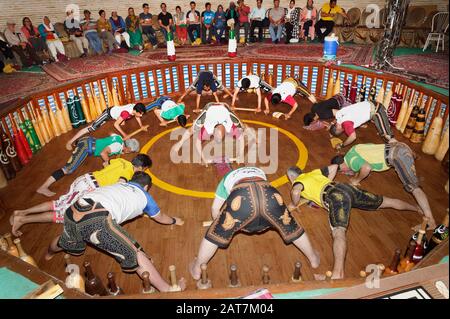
125, 115
348, 127
288, 100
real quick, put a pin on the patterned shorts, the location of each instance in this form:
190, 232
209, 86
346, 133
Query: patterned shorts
82, 150
340, 198
81, 186
401, 158
253, 207
97, 228
99, 121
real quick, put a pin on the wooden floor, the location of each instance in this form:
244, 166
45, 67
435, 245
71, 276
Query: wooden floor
372, 236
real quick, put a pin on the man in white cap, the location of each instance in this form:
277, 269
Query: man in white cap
20, 45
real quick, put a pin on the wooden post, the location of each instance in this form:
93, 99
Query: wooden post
204, 282
234, 281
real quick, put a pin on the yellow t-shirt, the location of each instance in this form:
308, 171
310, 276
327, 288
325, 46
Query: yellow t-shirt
327, 9
117, 168
313, 184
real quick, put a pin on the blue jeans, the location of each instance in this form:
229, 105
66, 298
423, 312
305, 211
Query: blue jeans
150, 33
219, 31
94, 41
164, 31
157, 104
279, 31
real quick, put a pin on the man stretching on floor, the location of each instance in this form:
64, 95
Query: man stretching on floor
205, 82
285, 93
251, 84
119, 114
96, 217
338, 199
353, 116
215, 120
90, 146
324, 110
119, 169
245, 201
166, 110
365, 158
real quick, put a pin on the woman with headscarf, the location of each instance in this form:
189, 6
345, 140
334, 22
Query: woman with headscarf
220, 23
33, 36
232, 17
119, 29
133, 29
308, 19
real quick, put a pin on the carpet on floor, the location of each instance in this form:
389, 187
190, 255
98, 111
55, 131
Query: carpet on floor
433, 67
93, 66
310, 52
20, 84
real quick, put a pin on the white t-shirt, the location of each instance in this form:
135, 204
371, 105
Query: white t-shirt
167, 105
285, 89
358, 113
227, 183
124, 201
215, 115
254, 81
124, 111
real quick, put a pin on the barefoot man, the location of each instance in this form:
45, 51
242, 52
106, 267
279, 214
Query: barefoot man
167, 110
251, 84
119, 169
96, 217
366, 158
245, 201
205, 83
338, 199
215, 120
89, 146
119, 114
285, 93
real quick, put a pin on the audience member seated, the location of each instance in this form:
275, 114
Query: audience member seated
244, 22
180, 25
308, 18
232, 17
119, 29
193, 22
207, 24
20, 45
220, 23
329, 12
89, 26
147, 25
292, 23
257, 21
32, 35
134, 30
276, 18
165, 21
73, 28
5, 48
54, 44
104, 30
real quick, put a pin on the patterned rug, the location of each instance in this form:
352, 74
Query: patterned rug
97, 65
353, 54
432, 66
19, 84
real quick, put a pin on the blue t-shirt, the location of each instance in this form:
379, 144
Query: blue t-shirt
220, 19
151, 209
208, 17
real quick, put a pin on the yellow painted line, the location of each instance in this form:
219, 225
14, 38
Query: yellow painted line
301, 162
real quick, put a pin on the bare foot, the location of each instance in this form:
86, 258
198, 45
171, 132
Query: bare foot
354, 182
319, 277
69, 146
17, 223
163, 124
197, 111
430, 226
337, 276
267, 112
316, 260
15, 213
194, 269
45, 191
182, 283
257, 110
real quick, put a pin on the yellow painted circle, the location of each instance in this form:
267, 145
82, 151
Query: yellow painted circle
301, 162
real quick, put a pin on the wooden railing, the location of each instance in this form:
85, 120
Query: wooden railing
144, 84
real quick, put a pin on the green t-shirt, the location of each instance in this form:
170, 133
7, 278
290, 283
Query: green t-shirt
172, 112
231, 178
373, 154
114, 142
